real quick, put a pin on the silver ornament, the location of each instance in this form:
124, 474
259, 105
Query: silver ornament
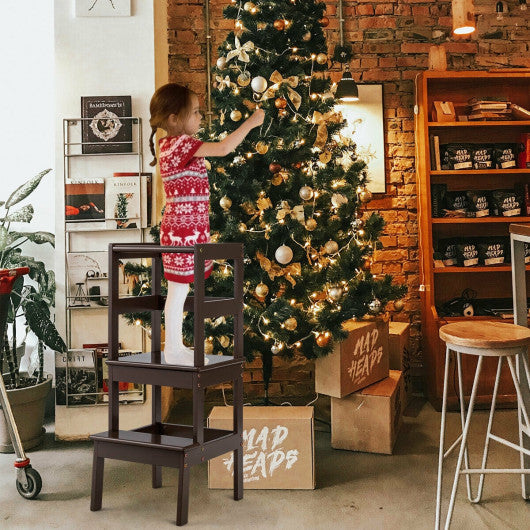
357, 223
374, 306
276, 348
283, 254
335, 293
306, 193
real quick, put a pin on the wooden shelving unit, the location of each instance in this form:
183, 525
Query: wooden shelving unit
163, 444
439, 285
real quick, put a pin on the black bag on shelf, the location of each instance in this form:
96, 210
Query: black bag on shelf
467, 253
447, 252
507, 203
493, 251
506, 155
457, 156
456, 204
483, 156
478, 203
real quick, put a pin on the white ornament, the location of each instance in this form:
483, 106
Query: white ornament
306, 193
331, 247
283, 254
259, 84
221, 62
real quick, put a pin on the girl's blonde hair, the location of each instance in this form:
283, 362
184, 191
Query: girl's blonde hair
168, 99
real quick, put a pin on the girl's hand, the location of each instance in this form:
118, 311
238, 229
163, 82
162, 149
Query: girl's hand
257, 118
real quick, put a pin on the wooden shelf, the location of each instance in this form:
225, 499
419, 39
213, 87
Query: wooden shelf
450, 172
478, 220
459, 270
500, 123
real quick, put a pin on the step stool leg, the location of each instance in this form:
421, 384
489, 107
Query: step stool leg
488, 433
183, 495
97, 481
463, 442
442, 437
238, 428
157, 476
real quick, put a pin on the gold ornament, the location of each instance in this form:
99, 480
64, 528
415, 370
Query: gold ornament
331, 247
235, 115
311, 224
274, 167
249, 6
262, 148
306, 37
361, 233
262, 290
279, 24
208, 347
322, 58
322, 339
324, 22
242, 227
282, 113
290, 324
243, 79
225, 203
306, 193
325, 157
224, 341
399, 305
221, 62
335, 293
280, 103
283, 254
365, 195
277, 179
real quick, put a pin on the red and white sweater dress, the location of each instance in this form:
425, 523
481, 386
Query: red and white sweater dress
186, 220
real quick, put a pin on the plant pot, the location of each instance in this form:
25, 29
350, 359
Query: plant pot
28, 406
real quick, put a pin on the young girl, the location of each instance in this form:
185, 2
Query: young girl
175, 109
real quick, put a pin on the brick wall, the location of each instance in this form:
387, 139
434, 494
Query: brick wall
390, 42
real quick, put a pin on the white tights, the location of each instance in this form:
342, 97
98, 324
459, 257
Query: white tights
174, 351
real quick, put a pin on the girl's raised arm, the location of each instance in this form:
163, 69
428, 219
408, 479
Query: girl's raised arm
227, 145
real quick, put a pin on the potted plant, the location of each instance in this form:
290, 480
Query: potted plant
31, 299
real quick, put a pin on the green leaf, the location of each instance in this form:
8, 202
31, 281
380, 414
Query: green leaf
39, 321
23, 215
23, 191
2, 203
16, 298
36, 237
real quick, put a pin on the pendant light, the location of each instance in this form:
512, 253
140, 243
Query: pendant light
347, 90
463, 17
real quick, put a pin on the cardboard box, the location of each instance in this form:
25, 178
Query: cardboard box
398, 348
358, 361
279, 448
369, 420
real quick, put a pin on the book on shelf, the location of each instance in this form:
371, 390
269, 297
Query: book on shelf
75, 377
146, 190
524, 153
84, 201
127, 391
489, 100
520, 113
491, 106
436, 163
88, 279
122, 202
110, 128
490, 115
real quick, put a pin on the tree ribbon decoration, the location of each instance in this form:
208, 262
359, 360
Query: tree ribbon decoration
240, 51
222, 83
322, 130
296, 213
274, 270
291, 81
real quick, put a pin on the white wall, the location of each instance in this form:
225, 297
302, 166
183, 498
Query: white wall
27, 140
97, 56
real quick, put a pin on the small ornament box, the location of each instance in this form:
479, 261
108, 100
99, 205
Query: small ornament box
279, 448
358, 361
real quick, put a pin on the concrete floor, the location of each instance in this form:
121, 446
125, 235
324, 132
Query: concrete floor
354, 490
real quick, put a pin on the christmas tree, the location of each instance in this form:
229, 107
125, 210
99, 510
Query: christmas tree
292, 192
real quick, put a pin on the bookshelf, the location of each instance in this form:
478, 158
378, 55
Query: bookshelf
440, 285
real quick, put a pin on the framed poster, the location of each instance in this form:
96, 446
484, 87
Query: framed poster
365, 129
102, 8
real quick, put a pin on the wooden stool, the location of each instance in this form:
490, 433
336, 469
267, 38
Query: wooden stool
484, 339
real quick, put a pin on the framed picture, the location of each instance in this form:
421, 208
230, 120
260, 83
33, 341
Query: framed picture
102, 8
365, 129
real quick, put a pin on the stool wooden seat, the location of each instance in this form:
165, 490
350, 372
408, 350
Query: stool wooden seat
485, 334
507, 342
